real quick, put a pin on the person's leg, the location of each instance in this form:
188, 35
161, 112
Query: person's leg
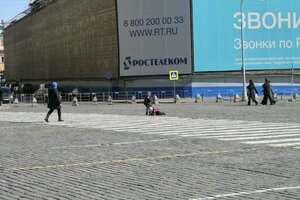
249, 100
148, 110
254, 99
59, 115
48, 114
264, 101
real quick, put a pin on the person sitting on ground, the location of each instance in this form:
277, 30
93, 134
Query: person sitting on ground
156, 111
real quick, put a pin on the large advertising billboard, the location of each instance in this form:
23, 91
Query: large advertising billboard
154, 37
267, 31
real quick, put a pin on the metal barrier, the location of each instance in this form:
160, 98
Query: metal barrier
139, 95
24, 98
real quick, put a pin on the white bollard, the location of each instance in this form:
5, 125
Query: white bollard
295, 96
133, 99
75, 101
198, 98
95, 101
236, 98
219, 98
34, 102
155, 100
16, 102
177, 99
110, 101
274, 96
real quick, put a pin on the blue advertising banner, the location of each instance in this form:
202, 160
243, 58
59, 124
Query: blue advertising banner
267, 31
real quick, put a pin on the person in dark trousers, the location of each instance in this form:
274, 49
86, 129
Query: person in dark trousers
251, 93
268, 93
54, 102
1, 97
148, 103
272, 93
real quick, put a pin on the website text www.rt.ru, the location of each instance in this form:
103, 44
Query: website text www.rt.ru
153, 32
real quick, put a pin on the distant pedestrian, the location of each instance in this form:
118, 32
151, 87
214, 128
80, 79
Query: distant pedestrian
54, 102
148, 103
272, 94
251, 93
268, 93
1, 97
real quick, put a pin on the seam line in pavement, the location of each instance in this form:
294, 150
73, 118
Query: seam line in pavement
115, 144
121, 161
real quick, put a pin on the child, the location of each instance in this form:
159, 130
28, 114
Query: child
156, 111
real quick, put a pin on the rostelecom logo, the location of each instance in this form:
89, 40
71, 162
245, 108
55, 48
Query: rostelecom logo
127, 63
152, 62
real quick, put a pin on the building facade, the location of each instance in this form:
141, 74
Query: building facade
139, 41
66, 41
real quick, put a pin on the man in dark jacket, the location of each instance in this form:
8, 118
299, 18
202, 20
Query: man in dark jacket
251, 93
148, 103
268, 93
54, 102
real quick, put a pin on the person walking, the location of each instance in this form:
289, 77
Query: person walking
272, 94
54, 102
267, 90
148, 103
251, 93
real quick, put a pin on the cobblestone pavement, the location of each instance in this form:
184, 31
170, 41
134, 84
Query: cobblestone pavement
198, 151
